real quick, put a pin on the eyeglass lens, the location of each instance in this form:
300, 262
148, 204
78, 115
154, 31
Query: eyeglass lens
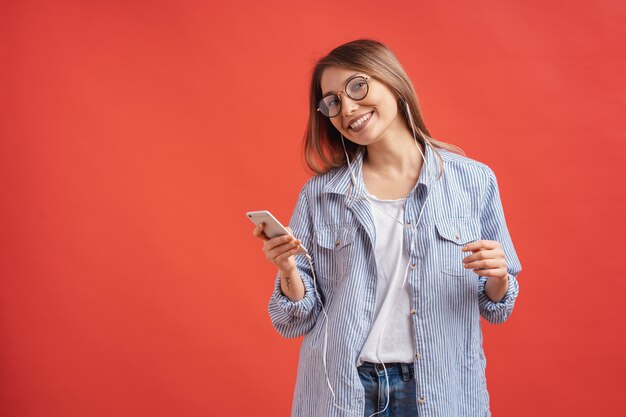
356, 89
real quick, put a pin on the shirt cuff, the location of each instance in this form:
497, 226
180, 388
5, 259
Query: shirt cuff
300, 308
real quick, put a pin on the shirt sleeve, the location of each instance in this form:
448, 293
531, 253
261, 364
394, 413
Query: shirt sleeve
296, 318
494, 228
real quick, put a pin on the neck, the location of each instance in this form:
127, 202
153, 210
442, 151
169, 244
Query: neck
394, 157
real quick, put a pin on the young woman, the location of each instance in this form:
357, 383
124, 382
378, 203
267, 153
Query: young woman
408, 248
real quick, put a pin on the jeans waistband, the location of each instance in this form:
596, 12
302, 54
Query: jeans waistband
404, 369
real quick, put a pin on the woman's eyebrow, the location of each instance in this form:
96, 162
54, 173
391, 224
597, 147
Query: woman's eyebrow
324, 94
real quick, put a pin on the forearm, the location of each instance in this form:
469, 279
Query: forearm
293, 306
496, 288
291, 284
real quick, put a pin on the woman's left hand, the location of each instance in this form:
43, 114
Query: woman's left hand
487, 259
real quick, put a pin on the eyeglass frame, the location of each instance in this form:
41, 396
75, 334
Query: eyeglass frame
337, 93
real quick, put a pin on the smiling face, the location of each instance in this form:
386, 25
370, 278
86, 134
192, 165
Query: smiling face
368, 120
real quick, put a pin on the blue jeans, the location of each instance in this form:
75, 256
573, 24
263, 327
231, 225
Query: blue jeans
402, 397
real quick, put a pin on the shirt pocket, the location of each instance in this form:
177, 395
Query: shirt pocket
452, 235
334, 246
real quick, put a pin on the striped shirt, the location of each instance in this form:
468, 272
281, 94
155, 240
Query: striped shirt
333, 220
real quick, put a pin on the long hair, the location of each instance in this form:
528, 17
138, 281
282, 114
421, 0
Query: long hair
323, 150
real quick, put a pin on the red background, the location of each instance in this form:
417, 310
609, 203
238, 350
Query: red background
136, 134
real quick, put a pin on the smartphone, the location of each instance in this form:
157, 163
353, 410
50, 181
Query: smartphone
273, 227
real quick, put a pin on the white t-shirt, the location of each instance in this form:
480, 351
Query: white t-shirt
392, 310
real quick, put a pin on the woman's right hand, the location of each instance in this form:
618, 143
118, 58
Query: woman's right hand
279, 250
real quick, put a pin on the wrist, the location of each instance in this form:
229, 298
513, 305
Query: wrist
288, 272
501, 279
291, 284
496, 288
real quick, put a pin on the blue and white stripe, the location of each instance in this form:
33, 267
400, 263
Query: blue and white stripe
334, 221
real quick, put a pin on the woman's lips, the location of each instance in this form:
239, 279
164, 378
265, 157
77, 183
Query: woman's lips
360, 123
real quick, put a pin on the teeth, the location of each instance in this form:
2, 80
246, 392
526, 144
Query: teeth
360, 121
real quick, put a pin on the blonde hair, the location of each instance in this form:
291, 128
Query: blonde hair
322, 142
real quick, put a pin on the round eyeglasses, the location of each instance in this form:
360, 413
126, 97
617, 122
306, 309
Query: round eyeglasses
356, 89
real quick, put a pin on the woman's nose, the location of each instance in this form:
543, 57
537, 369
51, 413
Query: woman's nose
348, 105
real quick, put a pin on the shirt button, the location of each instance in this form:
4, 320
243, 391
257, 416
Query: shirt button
418, 356
457, 237
408, 224
413, 266
338, 242
421, 400
413, 311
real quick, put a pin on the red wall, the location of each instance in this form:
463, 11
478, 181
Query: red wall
134, 135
